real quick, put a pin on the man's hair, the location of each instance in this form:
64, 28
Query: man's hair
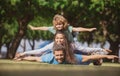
58, 47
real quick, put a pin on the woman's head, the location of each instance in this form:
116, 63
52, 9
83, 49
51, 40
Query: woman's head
59, 22
60, 38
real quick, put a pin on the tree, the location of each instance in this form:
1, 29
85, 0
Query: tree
22, 12
17, 14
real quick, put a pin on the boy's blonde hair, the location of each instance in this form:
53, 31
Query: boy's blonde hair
59, 19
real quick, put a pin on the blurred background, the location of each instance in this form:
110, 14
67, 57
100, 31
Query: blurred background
16, 15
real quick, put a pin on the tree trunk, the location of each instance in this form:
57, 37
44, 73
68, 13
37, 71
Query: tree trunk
114, 46
19, 35
32, 44
0, 43
14, 45
0, 50
24, 47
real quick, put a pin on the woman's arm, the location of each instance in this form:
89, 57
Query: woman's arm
38, 51
90, 50
81, 29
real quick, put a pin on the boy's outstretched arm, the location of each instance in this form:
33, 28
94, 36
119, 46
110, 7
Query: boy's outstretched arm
81, 29
38, 28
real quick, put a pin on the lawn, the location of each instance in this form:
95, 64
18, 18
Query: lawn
22, 68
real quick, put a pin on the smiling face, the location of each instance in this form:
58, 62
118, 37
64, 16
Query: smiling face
59, 56
59, 38
61, 43
59, 22
59, 27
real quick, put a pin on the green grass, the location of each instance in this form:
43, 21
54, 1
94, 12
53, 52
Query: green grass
22, 68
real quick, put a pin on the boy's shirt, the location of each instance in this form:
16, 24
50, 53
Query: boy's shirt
67, 32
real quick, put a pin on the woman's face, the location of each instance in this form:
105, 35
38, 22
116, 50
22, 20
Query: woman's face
59, 39
59, 27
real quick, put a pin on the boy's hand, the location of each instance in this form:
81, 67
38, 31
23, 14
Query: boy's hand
92, 29
31, 27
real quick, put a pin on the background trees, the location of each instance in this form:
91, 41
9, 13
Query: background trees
15, 15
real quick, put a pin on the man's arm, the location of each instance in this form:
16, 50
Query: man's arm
32, 58
95, 57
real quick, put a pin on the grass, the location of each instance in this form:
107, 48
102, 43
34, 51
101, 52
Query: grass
19, 68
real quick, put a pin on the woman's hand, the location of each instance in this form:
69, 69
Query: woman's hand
18, 56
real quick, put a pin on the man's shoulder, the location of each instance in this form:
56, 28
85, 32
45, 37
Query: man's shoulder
47, 57
78, 56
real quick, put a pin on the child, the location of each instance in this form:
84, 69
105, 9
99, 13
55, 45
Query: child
60, 23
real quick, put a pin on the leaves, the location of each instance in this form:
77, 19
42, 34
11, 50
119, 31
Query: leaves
80, 13
13, 2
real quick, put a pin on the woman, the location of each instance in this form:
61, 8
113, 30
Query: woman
60, 56
60, 23
60, 38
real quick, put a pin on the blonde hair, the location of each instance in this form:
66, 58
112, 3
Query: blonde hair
59, 19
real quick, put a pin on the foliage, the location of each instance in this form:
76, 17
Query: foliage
15, 15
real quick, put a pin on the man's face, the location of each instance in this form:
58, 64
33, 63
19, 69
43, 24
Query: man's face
59, 56
59, 39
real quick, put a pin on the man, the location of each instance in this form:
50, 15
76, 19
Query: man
59, 57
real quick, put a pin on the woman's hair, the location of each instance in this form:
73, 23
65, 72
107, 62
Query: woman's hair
59, 19
69, 57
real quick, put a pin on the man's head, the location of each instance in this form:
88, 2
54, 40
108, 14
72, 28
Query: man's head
59, 53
